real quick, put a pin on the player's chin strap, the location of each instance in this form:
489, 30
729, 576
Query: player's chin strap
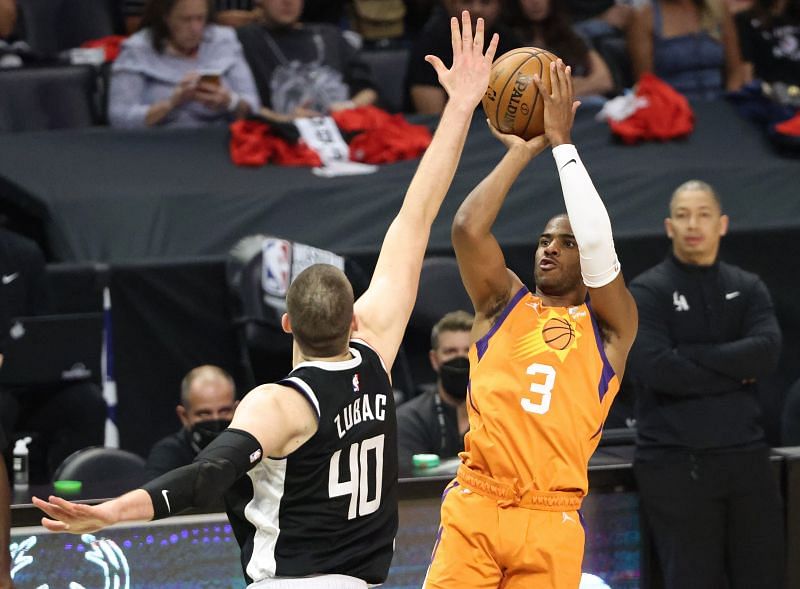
203, 482
588, 217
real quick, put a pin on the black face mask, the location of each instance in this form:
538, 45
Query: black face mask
204, 432
454, 376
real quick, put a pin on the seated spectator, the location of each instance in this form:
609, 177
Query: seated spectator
427, 95
690, 44
61, 418
208, 399
543, 24
435, 421
790, 429
180, 71
303, 69
769, 37
230, 13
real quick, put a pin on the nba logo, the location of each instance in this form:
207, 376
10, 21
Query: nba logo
276, 266
356, 386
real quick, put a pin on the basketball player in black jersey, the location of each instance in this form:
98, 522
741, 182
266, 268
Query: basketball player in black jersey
309, 464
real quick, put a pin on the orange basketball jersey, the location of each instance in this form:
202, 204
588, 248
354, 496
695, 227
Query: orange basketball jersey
540, 389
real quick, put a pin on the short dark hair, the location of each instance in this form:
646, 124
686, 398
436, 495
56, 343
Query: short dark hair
154, 17
452, 321
320, 307
699, 186
197, 372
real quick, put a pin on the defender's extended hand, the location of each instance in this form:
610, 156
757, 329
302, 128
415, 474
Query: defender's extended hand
467, 79
75, 518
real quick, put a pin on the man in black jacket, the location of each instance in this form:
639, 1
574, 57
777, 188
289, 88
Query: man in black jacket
707, 333
63, 417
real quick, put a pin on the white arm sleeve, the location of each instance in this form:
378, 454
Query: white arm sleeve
588, 217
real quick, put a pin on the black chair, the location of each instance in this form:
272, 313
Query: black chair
440, 291
40, 98
97, 464
265, 350
82, 20
389, 71
51, 26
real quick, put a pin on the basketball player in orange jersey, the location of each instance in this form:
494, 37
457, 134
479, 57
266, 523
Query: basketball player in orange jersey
544, 368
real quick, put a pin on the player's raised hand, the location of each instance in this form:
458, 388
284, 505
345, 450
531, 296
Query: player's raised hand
74, 518
467, 79
559, 104
532, 147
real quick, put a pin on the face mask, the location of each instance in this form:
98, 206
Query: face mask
454, 376
204, 432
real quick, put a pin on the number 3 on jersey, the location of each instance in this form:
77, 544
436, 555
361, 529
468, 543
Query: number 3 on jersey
544, 389
358, 485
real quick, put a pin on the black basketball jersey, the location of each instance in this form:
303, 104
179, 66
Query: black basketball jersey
330, 507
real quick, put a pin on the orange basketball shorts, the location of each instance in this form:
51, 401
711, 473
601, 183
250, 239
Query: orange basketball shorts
483, 544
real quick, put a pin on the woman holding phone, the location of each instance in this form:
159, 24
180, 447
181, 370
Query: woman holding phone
180, 71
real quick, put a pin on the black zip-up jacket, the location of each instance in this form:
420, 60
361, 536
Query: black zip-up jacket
706, 335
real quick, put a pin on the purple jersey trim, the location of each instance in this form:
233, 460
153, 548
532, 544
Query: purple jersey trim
608, 371
483, 344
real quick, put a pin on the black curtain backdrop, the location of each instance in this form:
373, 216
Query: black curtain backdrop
171, 316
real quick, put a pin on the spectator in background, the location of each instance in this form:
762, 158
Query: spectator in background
62, 417
427, 95
180, 71
544, 24
8, 18
303, 69
208, 400
690, 44
435, 421
231, 13
707, 333
769, 36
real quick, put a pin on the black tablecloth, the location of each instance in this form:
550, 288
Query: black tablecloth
108, 195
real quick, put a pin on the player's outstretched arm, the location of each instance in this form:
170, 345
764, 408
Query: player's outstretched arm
383, 311
271, 420
600, 268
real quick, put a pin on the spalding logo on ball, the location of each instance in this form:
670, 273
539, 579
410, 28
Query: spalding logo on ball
512, 102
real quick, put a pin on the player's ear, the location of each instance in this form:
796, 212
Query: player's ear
354, 324
724, 220
668, 227
286, 325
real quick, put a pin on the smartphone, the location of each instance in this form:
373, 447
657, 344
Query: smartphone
213, 78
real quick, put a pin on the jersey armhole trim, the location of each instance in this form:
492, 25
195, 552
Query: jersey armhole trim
366, 344
483, 343
302, 387
608, 371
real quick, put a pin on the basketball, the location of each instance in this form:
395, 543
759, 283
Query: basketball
558, 333
512, 102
